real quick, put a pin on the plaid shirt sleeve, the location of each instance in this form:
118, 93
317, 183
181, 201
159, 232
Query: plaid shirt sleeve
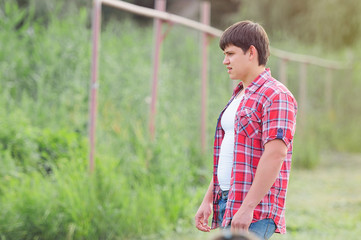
279, 119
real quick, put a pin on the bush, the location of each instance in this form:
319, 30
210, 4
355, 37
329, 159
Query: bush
26, 148
60, 145
17, 141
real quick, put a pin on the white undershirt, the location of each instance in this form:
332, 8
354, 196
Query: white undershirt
225, 163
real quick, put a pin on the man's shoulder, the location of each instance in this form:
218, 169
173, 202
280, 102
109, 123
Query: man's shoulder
272, 88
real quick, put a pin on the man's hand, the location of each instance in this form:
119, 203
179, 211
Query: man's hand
202, 215
242, 219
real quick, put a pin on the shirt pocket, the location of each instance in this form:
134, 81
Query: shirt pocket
248, 123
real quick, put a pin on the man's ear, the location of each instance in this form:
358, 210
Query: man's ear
253, 52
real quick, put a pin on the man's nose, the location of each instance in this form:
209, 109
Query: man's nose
225, 61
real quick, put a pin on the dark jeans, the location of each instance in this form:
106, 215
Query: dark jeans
262, 229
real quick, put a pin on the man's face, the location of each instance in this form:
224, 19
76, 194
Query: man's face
236, 61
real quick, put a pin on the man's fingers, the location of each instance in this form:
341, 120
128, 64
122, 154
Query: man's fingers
202, 224
205, 221
203, 227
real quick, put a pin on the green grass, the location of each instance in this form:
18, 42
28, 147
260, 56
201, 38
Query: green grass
324, 203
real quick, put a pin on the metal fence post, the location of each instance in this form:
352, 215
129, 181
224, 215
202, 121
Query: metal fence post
94, 84
159, 5
283, 71
205, 19
303, 93
328, 89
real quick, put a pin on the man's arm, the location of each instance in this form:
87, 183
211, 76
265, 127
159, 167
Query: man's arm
205, 210
267, 172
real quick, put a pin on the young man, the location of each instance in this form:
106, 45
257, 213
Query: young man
253, 141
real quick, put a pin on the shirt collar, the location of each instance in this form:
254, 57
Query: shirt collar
256, 83
259, 81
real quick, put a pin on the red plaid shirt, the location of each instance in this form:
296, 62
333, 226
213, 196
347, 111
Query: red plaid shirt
267, 112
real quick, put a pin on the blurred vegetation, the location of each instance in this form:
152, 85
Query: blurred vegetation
139, 188
331, 24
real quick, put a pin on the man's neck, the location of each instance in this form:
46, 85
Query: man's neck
253, 75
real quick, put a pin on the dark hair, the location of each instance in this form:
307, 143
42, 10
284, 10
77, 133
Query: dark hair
244, 34
236, 236
233, 237
228, 235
